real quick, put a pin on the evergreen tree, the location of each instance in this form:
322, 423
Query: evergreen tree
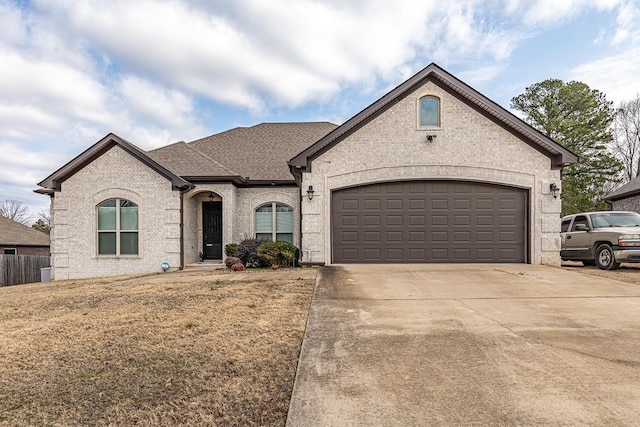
578, 118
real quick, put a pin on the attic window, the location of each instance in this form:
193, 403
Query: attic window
429, 111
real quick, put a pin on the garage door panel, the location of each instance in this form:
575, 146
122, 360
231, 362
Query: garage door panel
349, 205
372, 220
429, 221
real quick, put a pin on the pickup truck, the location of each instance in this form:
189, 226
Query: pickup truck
604, 239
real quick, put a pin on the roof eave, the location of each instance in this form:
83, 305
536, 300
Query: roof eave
54, 181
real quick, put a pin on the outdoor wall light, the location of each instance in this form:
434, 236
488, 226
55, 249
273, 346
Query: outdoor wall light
310, 192
430, 138
212, 197
554, 190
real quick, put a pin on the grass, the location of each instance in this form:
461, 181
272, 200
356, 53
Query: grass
157, 350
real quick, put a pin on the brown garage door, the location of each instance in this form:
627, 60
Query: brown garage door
429, 221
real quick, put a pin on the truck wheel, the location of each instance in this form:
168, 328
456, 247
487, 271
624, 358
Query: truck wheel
605, 259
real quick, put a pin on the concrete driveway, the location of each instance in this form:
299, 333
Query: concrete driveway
409, 345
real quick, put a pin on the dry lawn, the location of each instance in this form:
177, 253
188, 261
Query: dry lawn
185, 348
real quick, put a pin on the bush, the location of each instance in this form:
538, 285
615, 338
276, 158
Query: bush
247, 251
230, 249
278, 253
238, 267
231, 260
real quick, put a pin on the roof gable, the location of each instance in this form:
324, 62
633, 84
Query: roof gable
14, 233
559, 155
629, 189
53, 181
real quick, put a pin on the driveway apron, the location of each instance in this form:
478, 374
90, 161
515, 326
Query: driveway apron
499, 344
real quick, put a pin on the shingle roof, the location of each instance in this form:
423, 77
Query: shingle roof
631, 188
260, 152
14, 233
185, 160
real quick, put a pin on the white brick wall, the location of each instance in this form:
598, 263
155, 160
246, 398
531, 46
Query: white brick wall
114, 174
468, 146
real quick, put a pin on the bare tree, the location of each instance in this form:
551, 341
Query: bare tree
15, 210
626, 134
44, 221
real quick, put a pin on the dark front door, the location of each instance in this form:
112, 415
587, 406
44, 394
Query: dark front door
212, 230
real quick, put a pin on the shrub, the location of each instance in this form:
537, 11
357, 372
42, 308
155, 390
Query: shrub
231, 260
278, 253
230, 249
238, 267
247, 251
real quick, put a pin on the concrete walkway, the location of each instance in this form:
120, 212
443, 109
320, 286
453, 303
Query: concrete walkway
416, 345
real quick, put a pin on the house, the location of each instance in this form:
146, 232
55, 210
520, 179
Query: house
431, 172
18, 239
626, 197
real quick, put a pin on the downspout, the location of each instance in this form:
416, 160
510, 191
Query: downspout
300, 256
297, 175
182, 229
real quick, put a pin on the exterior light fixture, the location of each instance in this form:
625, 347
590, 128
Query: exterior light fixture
554, 190
211, 197
430, 138
310, 192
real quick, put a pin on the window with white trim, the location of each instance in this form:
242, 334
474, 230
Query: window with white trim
117, 227
274, 221
10, 251
429, 111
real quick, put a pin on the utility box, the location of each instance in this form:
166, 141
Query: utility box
45, 274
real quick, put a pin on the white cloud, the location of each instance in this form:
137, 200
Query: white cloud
627, 23
21, 169
51, 87
618, 76
282, 53
149, 102
480, 75
552, 11
12, 30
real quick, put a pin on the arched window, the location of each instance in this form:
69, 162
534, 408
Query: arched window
430, 111
274, 221
117, 227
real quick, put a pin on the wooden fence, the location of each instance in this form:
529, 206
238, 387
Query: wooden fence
18, 269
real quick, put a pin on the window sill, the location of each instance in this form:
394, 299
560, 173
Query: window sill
118, 256
430, 128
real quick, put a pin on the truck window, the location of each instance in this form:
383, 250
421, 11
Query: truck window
580, 220
565, 225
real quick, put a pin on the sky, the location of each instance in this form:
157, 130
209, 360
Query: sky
158, 72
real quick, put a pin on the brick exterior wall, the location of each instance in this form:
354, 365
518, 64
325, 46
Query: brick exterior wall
468, 147
631, 203
74, 218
